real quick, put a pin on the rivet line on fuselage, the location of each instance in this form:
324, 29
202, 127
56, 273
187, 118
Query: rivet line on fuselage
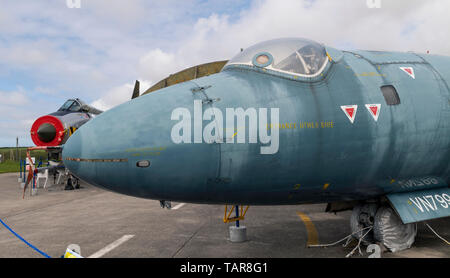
96, 160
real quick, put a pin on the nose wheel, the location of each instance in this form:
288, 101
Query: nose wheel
386, 227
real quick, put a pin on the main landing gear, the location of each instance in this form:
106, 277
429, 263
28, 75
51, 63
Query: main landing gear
377, 222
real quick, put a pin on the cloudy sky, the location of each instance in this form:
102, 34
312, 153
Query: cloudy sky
49, 52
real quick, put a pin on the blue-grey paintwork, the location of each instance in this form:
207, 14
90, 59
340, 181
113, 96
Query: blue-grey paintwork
359, 161
417, 206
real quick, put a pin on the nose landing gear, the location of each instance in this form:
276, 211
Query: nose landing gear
70, 184
238, 233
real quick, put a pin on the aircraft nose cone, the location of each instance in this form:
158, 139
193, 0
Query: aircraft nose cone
46, 132
129, 150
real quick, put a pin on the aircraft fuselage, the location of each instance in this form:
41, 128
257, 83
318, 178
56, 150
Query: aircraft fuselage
339, 139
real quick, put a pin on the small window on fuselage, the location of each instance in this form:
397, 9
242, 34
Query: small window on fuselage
390, 95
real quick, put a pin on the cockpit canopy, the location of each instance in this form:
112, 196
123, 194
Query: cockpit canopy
72, 105
292, 56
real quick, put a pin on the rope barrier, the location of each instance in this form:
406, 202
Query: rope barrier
22, 239
359, 244
337, 242
360, 239
443, 239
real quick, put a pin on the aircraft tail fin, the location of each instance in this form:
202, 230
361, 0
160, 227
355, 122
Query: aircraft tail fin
136, 90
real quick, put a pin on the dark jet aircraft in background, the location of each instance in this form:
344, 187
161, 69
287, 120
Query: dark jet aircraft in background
54, 129
51, 131
287, 122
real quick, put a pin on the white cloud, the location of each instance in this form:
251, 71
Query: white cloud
336, 23
327, 21
114, 97
16, 117
14, 98
398, 26
118, 95
157, 64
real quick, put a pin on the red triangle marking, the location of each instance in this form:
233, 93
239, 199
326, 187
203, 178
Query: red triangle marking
350, 111
374, 110
408, 70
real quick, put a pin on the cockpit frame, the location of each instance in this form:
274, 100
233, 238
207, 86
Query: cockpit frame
270, 68
70, 103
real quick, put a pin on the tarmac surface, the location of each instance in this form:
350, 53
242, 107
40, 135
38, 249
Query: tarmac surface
109, 225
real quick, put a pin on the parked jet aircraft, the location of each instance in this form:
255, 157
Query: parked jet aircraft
286, 122
54, 129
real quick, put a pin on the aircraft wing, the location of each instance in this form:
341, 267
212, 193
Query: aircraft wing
421, 205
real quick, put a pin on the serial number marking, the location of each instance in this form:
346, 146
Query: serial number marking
431, 202
418, 182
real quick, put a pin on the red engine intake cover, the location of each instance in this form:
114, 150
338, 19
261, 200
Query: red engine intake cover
49, 121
